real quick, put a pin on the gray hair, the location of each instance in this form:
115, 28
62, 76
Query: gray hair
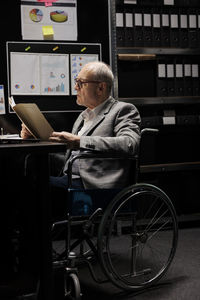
101, 72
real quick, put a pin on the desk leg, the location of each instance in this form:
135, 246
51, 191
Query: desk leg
42, 186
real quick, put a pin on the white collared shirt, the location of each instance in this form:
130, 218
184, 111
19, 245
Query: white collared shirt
89, 116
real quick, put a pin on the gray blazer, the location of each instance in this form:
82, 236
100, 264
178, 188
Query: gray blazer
117, 128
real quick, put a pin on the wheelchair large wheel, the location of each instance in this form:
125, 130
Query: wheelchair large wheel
140, 253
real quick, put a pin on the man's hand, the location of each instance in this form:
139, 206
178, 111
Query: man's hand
25, 133
72, 141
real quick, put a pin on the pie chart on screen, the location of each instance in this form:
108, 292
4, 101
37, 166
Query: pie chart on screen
59, 16
36, 15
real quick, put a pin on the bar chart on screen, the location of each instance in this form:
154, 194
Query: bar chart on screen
55, 74
58, 88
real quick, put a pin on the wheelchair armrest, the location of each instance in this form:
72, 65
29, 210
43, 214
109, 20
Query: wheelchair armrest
149, 130
91, 154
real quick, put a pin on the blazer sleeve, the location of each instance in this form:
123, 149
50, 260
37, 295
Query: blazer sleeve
119, 131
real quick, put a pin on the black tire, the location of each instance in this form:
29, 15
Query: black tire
140, 253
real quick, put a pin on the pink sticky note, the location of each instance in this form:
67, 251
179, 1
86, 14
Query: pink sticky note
47, 2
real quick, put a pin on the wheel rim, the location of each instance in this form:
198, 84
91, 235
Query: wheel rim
144, 251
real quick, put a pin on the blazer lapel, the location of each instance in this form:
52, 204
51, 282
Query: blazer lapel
78, 124
104, 111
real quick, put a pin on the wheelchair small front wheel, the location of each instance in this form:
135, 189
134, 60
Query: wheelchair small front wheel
140, 253
72, 287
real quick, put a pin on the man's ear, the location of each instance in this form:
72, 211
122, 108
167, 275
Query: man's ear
102, 86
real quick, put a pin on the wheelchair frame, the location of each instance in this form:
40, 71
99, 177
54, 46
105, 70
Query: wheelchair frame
141, 218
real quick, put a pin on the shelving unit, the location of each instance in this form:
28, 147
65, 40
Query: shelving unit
176, 112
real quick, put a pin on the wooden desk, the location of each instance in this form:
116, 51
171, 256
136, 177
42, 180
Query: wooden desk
41, 151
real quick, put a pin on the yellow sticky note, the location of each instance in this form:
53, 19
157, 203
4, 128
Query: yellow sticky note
48, 32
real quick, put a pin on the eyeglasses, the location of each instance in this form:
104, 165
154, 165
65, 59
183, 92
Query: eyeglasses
80, 82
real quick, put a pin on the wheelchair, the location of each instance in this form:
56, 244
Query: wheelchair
132, 236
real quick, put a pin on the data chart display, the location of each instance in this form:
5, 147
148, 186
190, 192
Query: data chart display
39, 74
54, 74
44, 73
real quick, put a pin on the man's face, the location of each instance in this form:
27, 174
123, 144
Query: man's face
86, 89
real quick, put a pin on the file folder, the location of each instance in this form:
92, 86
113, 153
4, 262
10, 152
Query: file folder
170, 79
156, 27
165, 29
183, 18
192, 32
120, 28
138, 28
174, 28
188, 89
161, 79
147, 27
129, 42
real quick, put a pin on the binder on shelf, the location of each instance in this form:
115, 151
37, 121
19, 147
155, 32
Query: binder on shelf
198, 27
192, 28
138, 28
183, 19
156, 27
165, 29
179, 78
195, 3
168, 2
178, 3
170, 78
159, 3
195, 79
187, 3
147, 2
187, 119
161, 79
174, 28
128, 35
130, 1
120, 28
152, 121
169, 117
188, 89
147, 27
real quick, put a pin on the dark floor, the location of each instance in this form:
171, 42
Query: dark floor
182, 281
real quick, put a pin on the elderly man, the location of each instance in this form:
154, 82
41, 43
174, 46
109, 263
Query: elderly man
106, 125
